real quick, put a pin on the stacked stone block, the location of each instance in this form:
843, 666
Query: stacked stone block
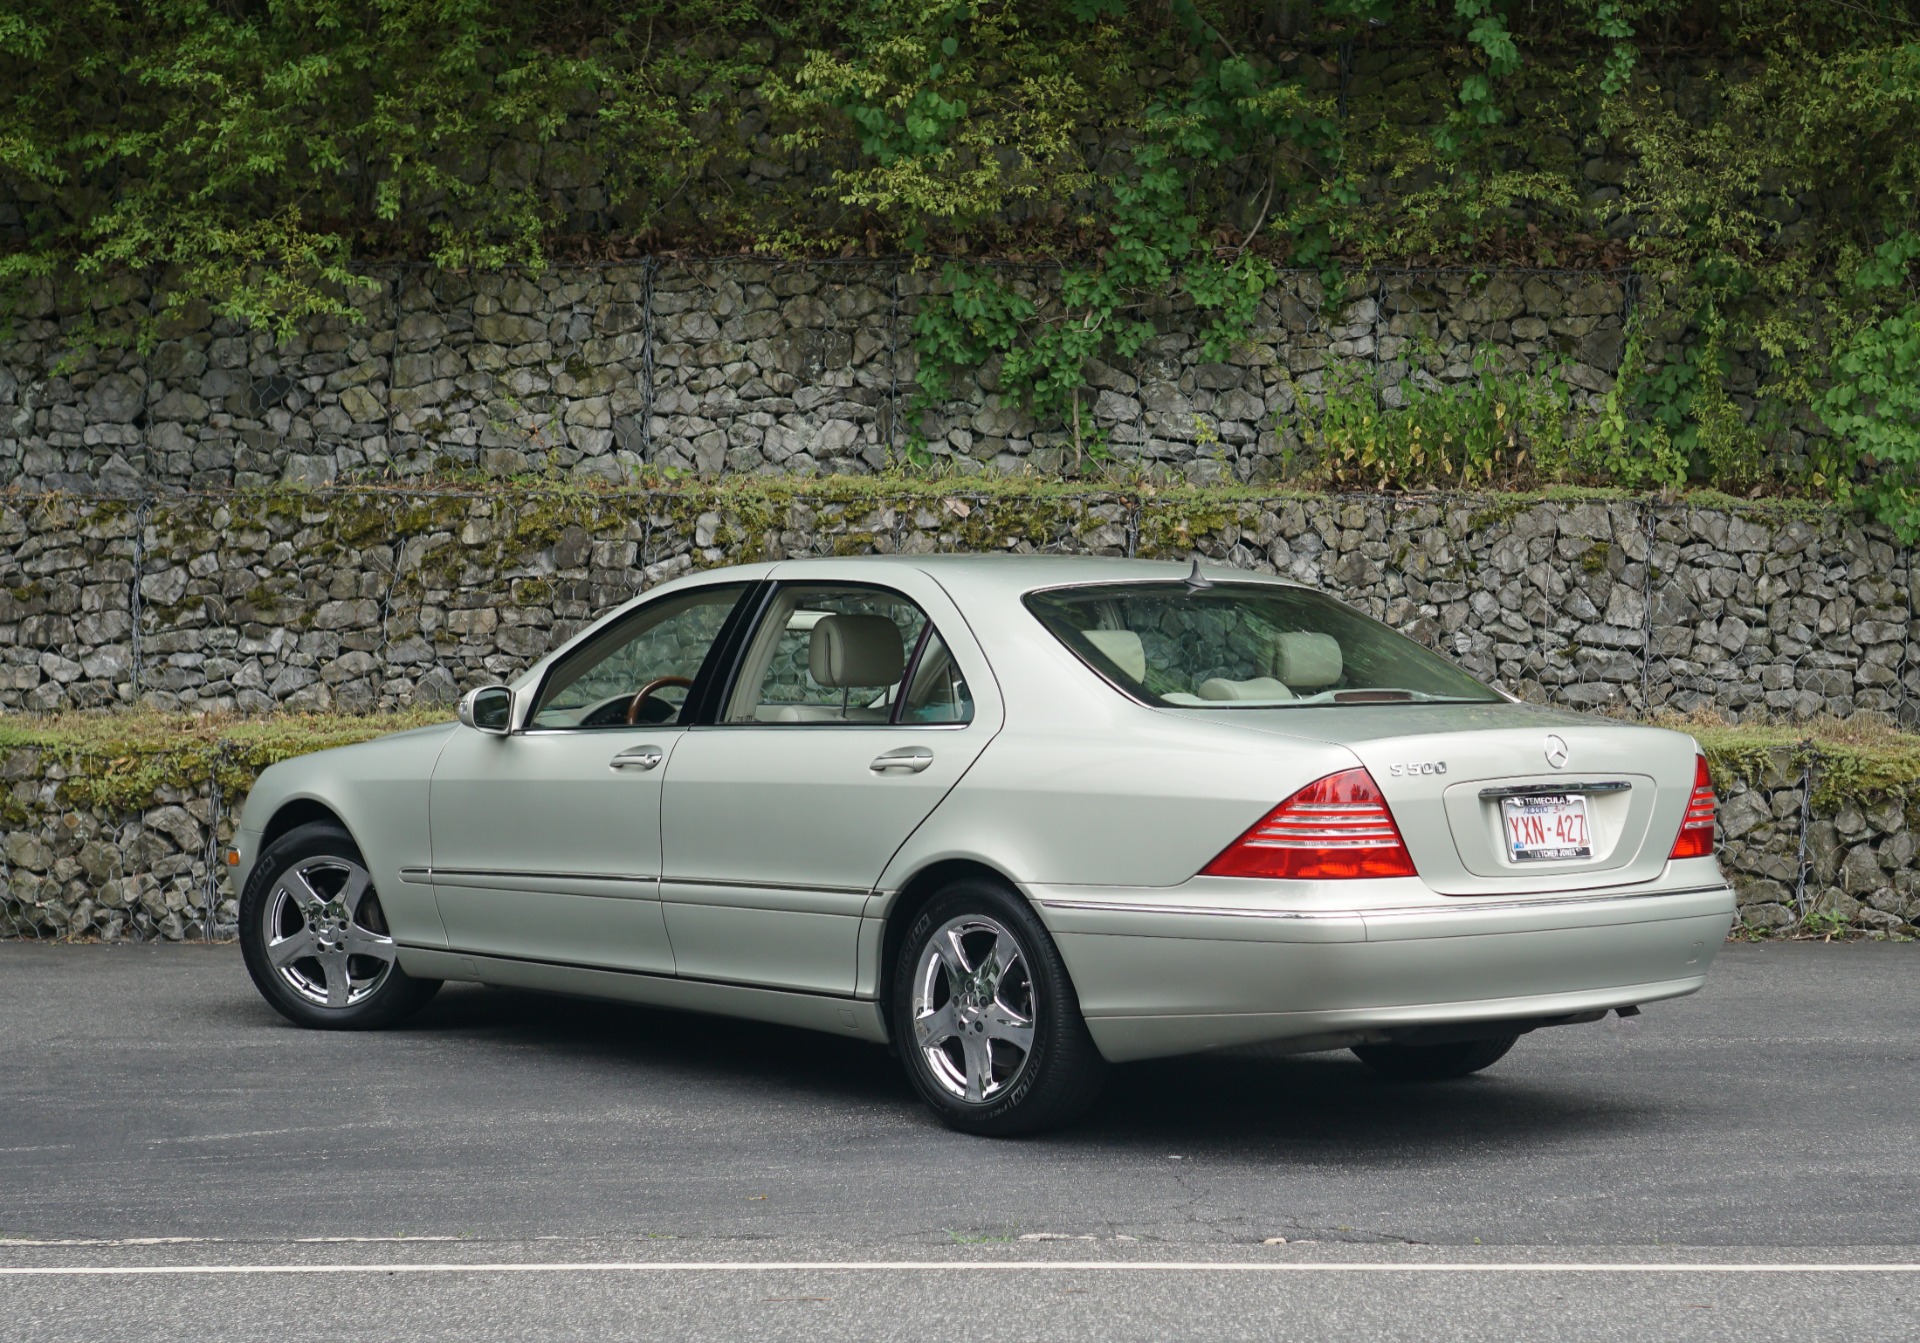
1798, 858
370, 598
706, 367
144, 874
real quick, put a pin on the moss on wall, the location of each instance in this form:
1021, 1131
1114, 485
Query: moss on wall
127, 762
132, 760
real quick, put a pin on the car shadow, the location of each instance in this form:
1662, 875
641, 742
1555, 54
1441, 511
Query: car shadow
1331, 1105
1302, 1107
699, 1047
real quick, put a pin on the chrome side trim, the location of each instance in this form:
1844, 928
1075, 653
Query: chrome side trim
634, 728
709, 727
1460, 905
732, 725
429, 874
454, 873
638, 975
765, 885
1556, 789
1125, 907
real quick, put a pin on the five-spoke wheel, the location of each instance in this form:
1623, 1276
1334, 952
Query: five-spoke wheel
986, 1017
315, 938
326, 936
973, 1007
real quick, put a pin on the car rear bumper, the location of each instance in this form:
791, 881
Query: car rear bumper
1161, 973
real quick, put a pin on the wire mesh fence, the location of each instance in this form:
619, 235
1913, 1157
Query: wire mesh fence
745, 364
357, 599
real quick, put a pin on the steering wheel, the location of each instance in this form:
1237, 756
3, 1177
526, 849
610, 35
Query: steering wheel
641, 695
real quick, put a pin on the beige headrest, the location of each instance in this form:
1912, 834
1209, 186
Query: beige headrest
844, 651
1260, 687
1302, 659
1123, 648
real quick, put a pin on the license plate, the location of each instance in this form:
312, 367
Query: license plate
1546, 828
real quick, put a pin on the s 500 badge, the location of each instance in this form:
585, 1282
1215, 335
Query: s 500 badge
1423, 767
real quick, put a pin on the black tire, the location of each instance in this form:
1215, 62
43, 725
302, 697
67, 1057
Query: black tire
1434, 1063
345, 927
1059, 1076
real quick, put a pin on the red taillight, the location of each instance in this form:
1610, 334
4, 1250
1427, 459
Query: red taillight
1695, 839
1334, 829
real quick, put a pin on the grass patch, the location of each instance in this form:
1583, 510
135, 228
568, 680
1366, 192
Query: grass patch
133, 760
902, 483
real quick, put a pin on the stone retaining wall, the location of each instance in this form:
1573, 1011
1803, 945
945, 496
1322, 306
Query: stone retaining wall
1799, 853
740, 366
365, 599
144, 874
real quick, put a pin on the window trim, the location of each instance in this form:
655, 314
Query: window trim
731, 650
912, 668
774, 588
708, 666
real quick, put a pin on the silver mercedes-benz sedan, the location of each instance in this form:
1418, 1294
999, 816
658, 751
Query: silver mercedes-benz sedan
1017, 817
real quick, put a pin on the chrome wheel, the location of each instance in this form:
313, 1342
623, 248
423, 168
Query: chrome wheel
325, 935
973, 1008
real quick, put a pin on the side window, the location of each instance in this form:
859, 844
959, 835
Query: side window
828, 654
640, 671
936, 693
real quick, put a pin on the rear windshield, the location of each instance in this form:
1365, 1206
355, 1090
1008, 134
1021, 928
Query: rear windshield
1245, 646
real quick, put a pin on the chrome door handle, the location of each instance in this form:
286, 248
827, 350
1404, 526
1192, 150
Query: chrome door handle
637, 757
913, 759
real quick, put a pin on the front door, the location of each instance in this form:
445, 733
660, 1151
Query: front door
851, 717
546, 842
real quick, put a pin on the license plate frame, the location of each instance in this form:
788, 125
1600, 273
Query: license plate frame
1547, 828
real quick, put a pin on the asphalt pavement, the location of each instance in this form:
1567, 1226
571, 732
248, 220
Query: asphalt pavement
177, 1162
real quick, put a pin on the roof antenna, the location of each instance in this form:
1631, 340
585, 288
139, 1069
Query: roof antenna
1197, 581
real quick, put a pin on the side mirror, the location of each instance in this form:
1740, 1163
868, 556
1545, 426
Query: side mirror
488, 709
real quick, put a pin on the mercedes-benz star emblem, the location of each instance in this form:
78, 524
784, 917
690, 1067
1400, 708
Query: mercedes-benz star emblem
1556, 750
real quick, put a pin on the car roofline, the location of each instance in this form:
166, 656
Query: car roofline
1018, 575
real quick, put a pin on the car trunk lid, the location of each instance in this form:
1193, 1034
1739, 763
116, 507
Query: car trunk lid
1465, 781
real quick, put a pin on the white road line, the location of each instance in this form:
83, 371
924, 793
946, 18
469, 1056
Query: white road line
135, 1241
935, 1266
12, 1242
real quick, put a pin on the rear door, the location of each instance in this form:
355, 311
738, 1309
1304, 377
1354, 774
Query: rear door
855, 710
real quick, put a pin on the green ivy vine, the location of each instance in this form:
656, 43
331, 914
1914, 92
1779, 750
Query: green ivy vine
1754, 163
